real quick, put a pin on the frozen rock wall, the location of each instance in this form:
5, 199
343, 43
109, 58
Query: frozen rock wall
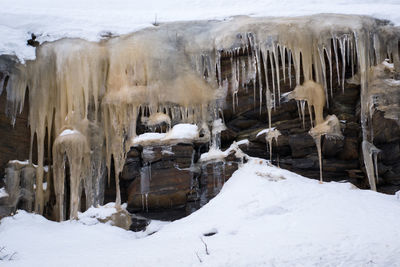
86, 98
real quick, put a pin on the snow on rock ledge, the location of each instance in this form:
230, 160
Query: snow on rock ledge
179, 133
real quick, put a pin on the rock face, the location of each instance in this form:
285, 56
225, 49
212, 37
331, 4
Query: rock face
171, 177
161, 178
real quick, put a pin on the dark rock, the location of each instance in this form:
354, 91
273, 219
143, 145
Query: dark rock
167, 172
332, 147
139, 223
385, 130
350, 149
390, 152
391, 177
301, 145
131, 168
32, 41
227, 137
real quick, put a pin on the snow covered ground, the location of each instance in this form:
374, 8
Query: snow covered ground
264, 216
90, 19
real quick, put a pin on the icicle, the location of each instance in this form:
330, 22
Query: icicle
330, 127
273, 76
272, 134
342, 43
283, 59
329, 54
318, 143
297, 65
302, 107
299, 109
217, 127
352, 57
234, 82
370, 157
243, 72
310, 114
290, 67
323, 66
260, 88
147, 201
277, 73
335, 50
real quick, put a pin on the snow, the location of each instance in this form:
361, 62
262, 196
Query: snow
68, 132
392, 82
263, 216
183, 131
179, 131
148, 137
19, 162
265, 131
217, 154
90, 216
3, 192
44, 186
92, 19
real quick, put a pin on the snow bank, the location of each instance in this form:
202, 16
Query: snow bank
94, 19
263, 216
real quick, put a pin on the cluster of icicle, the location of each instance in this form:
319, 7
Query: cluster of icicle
97, 91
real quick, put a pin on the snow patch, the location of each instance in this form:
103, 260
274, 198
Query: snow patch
265, 131
93, 214
179, 131
217, 154
3, 192
68, 132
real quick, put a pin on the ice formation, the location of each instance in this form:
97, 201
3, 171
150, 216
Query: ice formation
19, 186
100, 90
313, 94
157, 119
370, 154
270, 135
383, 96
331, 129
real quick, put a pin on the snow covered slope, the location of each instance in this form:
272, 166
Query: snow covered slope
264, 216
90, 19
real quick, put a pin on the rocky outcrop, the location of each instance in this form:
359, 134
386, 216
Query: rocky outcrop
162, 179
159, 178
172, 177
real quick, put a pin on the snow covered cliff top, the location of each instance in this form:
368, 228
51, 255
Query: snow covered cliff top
94, 19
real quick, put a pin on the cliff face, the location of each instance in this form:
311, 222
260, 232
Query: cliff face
89, 101
14, 141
